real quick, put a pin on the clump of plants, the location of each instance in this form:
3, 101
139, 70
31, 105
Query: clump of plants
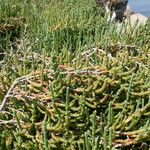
71, 81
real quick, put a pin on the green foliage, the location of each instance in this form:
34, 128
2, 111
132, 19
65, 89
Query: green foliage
86, 84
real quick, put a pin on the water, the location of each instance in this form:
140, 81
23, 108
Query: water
141, 6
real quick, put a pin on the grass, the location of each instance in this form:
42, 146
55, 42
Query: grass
74, 80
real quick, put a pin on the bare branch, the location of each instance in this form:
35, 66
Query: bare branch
11, 89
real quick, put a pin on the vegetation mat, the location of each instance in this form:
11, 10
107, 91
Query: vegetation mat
90, 107
71, 79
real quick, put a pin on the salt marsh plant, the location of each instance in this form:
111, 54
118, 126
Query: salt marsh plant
70, 80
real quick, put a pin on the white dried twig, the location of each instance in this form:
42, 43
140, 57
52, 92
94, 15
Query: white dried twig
7, 122
11, 89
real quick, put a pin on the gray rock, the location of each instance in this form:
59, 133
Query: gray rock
137, 19
118, 6
122, 11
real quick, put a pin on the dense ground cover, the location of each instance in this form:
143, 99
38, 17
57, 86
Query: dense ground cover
70, 79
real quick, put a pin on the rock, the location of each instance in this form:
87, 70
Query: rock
119, 10
132, 21
120, 7
117, 6
128, 11
137, 19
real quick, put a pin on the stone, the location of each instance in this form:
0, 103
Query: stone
137, 19
118, 6
120, 10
